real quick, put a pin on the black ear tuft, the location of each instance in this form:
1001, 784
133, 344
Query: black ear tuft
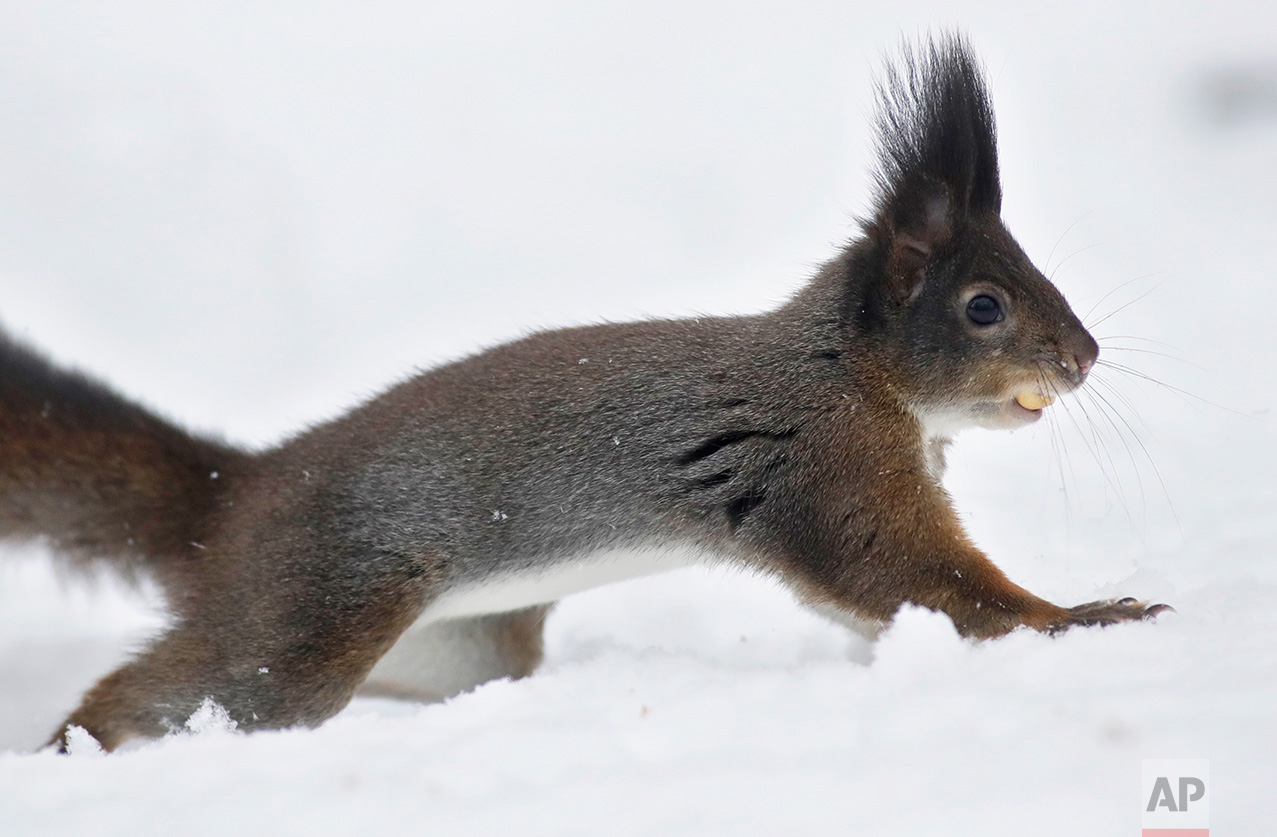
936, 136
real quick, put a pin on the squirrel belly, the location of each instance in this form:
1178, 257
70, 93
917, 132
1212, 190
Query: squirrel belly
445, 652
452, 510
555, 579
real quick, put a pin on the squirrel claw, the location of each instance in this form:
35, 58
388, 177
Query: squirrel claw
1110, 612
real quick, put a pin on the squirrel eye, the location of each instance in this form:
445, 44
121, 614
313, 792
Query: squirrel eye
984, 310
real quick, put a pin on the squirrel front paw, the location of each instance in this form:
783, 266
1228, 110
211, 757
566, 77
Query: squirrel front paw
1109, 612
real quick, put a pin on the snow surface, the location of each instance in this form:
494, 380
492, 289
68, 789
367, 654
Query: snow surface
250, 216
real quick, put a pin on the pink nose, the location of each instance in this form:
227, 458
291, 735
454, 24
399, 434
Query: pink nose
1082, 350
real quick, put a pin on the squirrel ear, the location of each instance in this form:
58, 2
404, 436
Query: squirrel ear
916, 226
938, 156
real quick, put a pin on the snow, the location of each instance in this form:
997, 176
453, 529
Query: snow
251, 217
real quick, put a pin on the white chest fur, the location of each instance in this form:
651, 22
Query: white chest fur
938, 430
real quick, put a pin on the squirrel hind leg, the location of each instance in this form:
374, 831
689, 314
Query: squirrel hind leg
140, 699
265, 671
434, 661
156, 693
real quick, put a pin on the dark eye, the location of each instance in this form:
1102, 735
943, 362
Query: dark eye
984, 310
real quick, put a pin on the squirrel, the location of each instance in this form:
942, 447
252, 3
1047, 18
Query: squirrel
806, 443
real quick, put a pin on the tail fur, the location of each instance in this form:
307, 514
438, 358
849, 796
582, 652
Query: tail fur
101, 479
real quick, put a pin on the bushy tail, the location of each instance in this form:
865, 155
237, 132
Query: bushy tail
100, 478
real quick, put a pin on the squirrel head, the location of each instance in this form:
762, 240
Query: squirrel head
973, 334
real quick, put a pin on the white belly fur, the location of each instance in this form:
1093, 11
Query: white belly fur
423, 667
519, 590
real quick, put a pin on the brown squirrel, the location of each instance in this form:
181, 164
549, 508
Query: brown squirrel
806, 443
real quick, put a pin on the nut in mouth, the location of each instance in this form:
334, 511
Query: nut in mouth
1031, 399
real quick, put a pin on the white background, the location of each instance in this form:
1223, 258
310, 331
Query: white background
252, 218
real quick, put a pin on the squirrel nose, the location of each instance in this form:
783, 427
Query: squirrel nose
1080, 352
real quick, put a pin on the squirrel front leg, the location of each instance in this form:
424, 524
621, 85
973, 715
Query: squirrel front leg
866, 555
